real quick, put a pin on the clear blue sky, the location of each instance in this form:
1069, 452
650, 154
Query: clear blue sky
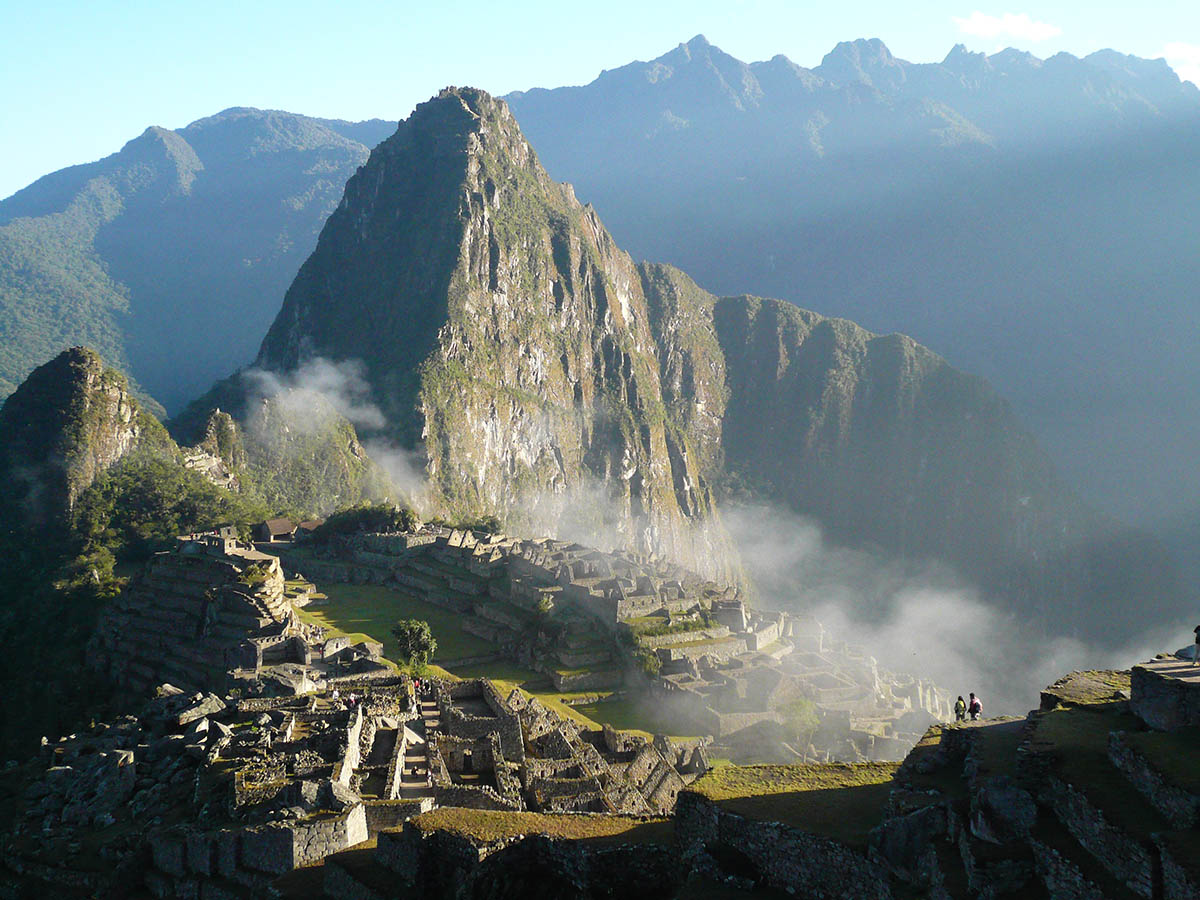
79, 79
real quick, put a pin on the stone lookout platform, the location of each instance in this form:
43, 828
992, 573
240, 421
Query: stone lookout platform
1165, 693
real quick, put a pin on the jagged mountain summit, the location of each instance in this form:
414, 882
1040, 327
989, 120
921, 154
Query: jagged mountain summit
1031, 220
538, 373
169, 257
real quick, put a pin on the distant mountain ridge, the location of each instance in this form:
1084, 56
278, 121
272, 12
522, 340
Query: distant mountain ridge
170, 256
1030, 220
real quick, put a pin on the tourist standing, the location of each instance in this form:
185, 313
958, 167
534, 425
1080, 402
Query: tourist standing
960, 709
975, 708
1196, 648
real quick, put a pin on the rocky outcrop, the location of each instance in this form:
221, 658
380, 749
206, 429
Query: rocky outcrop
67, 423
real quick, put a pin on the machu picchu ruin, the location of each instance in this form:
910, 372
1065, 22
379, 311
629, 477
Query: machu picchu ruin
391, 785
400, 535
586, 619
274, 754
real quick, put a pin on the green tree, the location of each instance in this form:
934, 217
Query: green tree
368, 517
800, 719
415, 640
648, 662
145, 500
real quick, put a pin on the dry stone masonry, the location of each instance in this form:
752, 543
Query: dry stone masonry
584, 618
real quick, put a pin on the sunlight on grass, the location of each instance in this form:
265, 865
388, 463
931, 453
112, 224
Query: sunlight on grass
367, 611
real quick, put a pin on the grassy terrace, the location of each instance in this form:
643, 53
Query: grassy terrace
839, 801
1088, 688
1077, 737
703, 642
368, 611
492, 825
642, 717
1172, 755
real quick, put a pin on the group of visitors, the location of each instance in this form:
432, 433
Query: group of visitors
414, 702
963, 708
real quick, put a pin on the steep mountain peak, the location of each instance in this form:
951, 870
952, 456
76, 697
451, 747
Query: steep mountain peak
965, 62
1010, 58
146, 155
505, 337
65, 424
1135, 66
1153, 79
866, 60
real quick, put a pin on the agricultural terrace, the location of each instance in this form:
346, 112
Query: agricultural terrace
843, 801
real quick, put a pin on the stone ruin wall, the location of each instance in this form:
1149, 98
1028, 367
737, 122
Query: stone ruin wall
503, 720
785, 858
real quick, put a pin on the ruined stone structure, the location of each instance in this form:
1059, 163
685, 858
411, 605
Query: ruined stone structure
724, 667
467, 791
268, 785
214, 613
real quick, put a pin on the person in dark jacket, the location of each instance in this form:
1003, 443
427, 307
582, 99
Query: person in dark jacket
960, 709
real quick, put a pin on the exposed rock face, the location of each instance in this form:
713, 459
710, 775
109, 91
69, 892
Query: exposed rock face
67, 423
220, 454
504, 333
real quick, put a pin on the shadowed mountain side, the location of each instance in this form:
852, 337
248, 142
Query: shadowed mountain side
504, 334
171, 255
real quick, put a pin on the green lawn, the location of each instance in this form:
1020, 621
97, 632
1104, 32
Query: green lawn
842, 801
368, 611
492, 825
631, 715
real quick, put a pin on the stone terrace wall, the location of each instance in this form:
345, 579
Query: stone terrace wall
444, 865
1177, 805
1179, 882
786, 858
1162, 701
349, 762
271, 849
1127, 860
1063, 879
503, 721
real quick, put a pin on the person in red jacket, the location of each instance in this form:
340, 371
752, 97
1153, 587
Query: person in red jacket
975, 708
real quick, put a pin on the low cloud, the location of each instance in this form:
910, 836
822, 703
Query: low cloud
406, 469
1184, 59
308, 397
342, 385
1014, 25
918, 618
